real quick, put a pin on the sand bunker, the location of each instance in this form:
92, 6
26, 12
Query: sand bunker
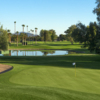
5, 68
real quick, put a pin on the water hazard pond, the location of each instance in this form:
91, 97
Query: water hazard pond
34, 52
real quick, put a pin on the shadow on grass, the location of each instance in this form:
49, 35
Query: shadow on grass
90, 62
63, 44
48, 44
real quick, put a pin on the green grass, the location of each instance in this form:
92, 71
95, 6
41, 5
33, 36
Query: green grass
51, 78
65, 45
47, 45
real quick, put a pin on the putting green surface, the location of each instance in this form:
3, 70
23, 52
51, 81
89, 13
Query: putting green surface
86, 80
51, 78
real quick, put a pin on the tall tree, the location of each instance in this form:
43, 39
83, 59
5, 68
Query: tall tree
25, 38
15, 26
97, 10
22, 37
32, 35
45, 35
23, 27
14, 38
69, 31
89, 36
3, 39
82, 31
53, 35
36, 34
50, 36
23, 32
17, 37
42, 34
62, 37
27, 32
27, 28
9, 35
92, 40
29, 37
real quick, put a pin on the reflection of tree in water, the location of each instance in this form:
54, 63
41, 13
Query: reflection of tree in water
6, 53
47, 52
71, 52
75, 52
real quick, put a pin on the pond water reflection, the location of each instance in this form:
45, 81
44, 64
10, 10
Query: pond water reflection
33, 53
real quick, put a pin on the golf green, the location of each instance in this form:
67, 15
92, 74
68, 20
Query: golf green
51, 78
60, 78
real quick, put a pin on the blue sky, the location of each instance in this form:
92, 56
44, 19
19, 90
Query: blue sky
46, 14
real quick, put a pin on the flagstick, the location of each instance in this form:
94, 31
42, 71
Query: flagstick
75, 70
75, 67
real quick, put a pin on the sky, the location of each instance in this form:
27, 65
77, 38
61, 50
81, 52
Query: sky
46, 14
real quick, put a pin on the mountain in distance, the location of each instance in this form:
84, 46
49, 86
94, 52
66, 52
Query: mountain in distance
28, 34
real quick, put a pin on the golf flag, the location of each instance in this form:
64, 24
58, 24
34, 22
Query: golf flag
75, 67
74, 63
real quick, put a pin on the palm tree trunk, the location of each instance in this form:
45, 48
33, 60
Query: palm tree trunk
17, 39
33, 40
35, 36
23, 29
15, 27
25, 40
10, 39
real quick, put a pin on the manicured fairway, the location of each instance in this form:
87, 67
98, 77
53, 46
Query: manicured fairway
51, 78
49, 45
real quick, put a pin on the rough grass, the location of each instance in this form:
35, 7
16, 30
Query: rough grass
51, 78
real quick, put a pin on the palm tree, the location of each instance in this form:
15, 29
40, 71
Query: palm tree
33, 34
29, 37
15, 26
25, 38
23, 31
36, 34
22, 37
23, 27
9, 35
27, 28
17, 37
8, 31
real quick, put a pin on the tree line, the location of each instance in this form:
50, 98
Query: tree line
3, 39
48, 35
89, 35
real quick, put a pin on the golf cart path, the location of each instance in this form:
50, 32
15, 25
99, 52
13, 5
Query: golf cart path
5, 68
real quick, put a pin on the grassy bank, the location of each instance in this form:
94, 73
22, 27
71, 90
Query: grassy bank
47, 45
51, 78
65, 45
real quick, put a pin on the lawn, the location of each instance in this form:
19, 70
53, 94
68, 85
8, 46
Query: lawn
47, 45
65, 45
51, 77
